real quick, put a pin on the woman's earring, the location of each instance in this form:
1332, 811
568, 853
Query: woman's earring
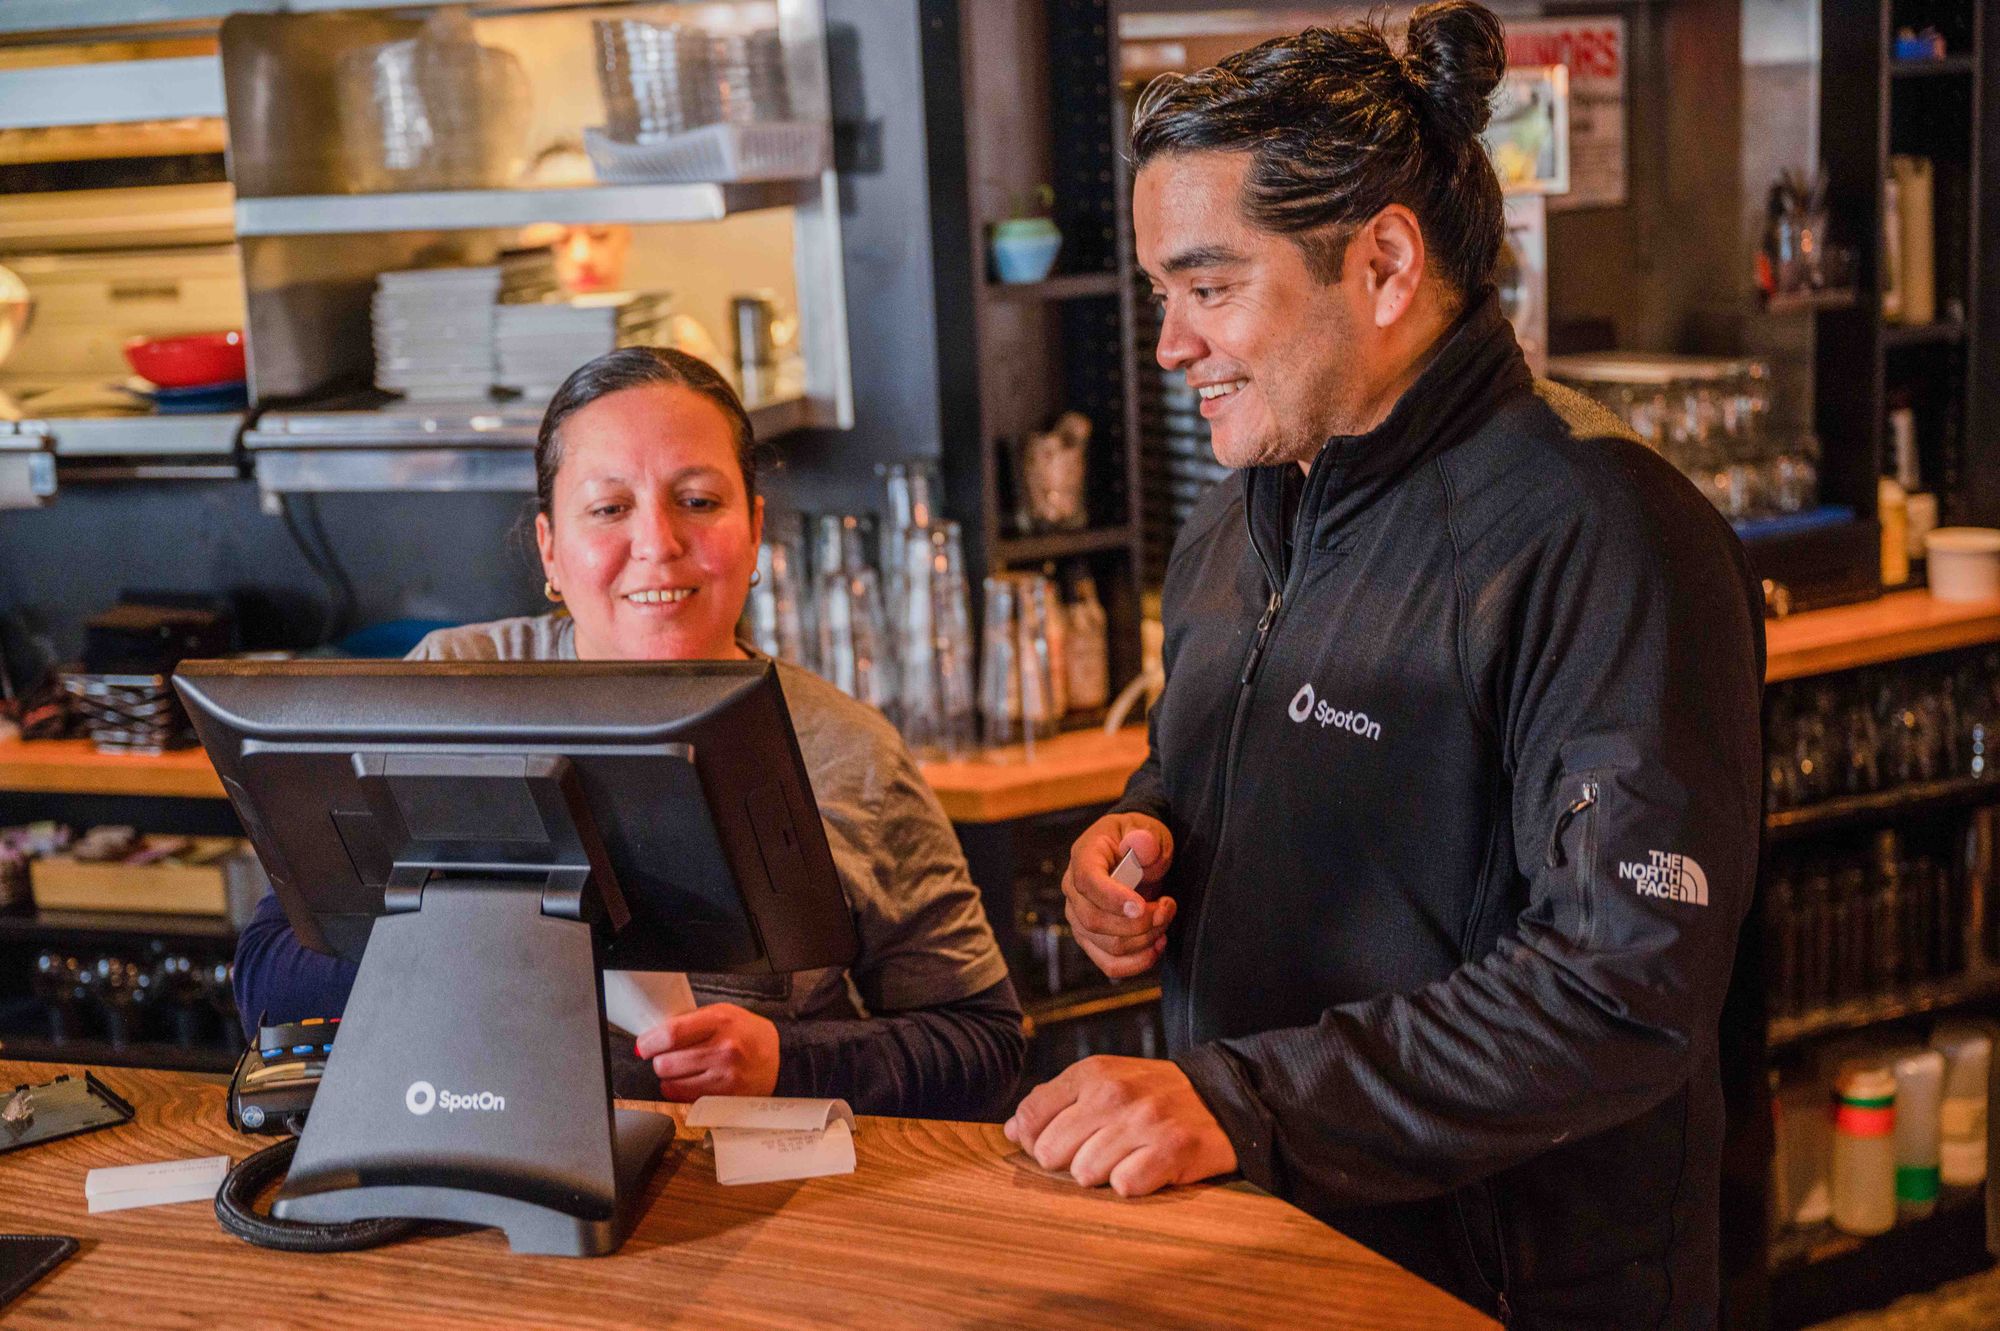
549, 590
756, 576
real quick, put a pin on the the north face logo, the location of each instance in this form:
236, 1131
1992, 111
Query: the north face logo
1667, 876
1307, 707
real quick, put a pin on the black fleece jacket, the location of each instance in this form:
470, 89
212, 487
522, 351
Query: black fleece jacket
1464, 784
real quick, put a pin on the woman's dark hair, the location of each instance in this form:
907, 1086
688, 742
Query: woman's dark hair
636, 367
1339, 126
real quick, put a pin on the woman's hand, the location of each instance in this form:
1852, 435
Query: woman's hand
720, 1049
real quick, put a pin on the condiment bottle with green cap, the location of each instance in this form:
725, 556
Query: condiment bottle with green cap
1919, 1087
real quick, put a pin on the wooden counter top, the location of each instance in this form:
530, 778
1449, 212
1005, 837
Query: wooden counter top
1085, 767
1089, 767
73, 767
1897, 625
942, 1224
1081, 767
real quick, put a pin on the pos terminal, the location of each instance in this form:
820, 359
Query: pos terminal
484, 839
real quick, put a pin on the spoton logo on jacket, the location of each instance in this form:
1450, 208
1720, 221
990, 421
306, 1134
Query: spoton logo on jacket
1306, 707
1668, 876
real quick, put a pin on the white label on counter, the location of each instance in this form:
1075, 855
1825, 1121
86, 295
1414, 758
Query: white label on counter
765, 1138
155, 1184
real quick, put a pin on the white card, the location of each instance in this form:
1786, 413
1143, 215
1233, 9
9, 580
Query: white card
637, 1001
1128, 873
155, 1184
766, 1138
751, 1155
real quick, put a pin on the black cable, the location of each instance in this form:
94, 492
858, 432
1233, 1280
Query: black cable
236, 1209
350, 602
312, 557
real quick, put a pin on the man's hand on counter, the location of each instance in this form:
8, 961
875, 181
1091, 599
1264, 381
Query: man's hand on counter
1122, 930
1135, 1123
720, 1049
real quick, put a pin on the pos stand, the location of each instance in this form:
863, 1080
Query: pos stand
470, 1081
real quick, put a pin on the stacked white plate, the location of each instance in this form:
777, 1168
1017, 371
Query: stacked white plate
528, 276
434, 333
539, 346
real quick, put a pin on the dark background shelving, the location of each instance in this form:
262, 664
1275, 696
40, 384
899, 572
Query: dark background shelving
1032, 103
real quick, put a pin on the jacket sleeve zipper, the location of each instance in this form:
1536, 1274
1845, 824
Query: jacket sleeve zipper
1263, 632
1587, 799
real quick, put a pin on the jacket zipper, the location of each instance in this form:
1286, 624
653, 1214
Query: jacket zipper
1585, 800
1251, 661
1263, 633
1584, 806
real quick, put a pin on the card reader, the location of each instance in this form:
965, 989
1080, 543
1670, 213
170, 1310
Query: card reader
277, 1077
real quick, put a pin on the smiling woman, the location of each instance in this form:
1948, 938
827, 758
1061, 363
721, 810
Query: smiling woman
647, 524
649, 515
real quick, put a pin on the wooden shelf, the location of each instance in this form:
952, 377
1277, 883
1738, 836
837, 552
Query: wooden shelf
1879, 806
1063, 286
1799, 1248
1061, 544
1899, 625
143, 1054
73, 767
1082, 768
35, 926
1089, 1003
1942, 333
1915, 1001
1805, 302
1917, 69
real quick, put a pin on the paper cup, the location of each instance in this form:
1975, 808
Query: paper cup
1964, 563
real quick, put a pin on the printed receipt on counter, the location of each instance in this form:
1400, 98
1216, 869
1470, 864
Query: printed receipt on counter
766, 1138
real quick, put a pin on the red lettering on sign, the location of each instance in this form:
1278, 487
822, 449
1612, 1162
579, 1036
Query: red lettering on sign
1588, 52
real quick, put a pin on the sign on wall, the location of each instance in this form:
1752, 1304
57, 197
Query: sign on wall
1594, 50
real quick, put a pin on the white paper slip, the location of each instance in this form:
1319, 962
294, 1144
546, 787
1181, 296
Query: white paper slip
764, 1139
748, 1155
1128, 873
155, 1184
637, 1001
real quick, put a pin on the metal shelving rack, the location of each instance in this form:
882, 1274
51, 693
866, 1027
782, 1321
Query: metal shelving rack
314, 240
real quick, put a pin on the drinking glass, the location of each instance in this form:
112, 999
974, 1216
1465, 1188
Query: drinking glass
958, 666
777, 615
1041, 662
914, 600
1000, 716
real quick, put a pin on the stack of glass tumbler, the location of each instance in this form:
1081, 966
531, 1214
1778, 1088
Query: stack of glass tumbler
895, 630
895, 634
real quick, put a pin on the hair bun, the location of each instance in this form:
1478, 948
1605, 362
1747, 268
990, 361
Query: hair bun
1456, 53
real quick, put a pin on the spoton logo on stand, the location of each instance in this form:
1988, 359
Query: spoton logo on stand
1306, 707
422, 1097
1667, 876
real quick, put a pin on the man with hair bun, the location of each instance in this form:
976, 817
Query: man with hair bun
1450, 816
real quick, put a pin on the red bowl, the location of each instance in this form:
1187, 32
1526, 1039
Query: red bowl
193, 360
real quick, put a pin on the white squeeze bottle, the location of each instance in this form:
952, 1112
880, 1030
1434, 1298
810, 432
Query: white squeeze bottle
1968, 1058
1864, 1148
1919, 1088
